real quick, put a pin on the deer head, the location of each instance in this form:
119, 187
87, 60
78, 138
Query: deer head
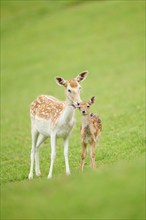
84, 107
72, 87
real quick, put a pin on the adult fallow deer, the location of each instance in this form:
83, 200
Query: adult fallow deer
54, 118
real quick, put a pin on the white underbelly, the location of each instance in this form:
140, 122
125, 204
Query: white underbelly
45, 127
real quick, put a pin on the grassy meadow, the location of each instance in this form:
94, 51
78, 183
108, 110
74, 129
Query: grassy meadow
44, 39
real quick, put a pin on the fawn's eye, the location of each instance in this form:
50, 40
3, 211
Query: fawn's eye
88, 106
69, 90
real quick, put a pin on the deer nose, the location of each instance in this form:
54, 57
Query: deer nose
83, 112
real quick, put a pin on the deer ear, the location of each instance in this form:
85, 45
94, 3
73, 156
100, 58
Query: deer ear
60, 81
82, 76
75, 105
92, 100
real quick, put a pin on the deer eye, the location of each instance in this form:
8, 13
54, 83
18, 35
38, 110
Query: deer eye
69, 90
88, 106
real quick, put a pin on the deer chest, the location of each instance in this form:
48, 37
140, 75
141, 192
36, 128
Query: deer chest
86, 133
65, 128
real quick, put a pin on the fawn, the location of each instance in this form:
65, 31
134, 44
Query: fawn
54, 118
90, 129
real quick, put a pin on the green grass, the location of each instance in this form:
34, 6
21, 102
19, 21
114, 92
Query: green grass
40, 40
114, 192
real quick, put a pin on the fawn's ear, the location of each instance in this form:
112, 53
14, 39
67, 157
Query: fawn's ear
82, 76
60, 81
92, 100
76, 105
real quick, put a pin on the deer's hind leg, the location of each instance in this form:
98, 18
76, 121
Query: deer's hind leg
40, 140
53, 154
34, 134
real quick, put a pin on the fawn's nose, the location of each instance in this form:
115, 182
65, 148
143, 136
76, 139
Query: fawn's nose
83, 112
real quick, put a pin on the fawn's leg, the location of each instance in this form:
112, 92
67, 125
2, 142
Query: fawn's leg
84, 146
92, 154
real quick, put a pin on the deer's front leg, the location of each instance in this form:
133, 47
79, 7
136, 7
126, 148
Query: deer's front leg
66, 156
53, 154
92, 154
84, 146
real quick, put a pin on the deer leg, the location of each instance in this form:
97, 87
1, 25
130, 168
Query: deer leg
66, 156
92, 155
53, 154
41, 139
34, 134
83, 155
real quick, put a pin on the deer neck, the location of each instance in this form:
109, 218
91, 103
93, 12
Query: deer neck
85, 121
68, 112
68, 103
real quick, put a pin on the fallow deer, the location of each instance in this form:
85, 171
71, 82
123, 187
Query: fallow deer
90, 129
53, 118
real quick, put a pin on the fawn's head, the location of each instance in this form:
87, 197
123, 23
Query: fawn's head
84, 107
72, 87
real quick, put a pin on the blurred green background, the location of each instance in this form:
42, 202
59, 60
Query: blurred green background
43, 39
